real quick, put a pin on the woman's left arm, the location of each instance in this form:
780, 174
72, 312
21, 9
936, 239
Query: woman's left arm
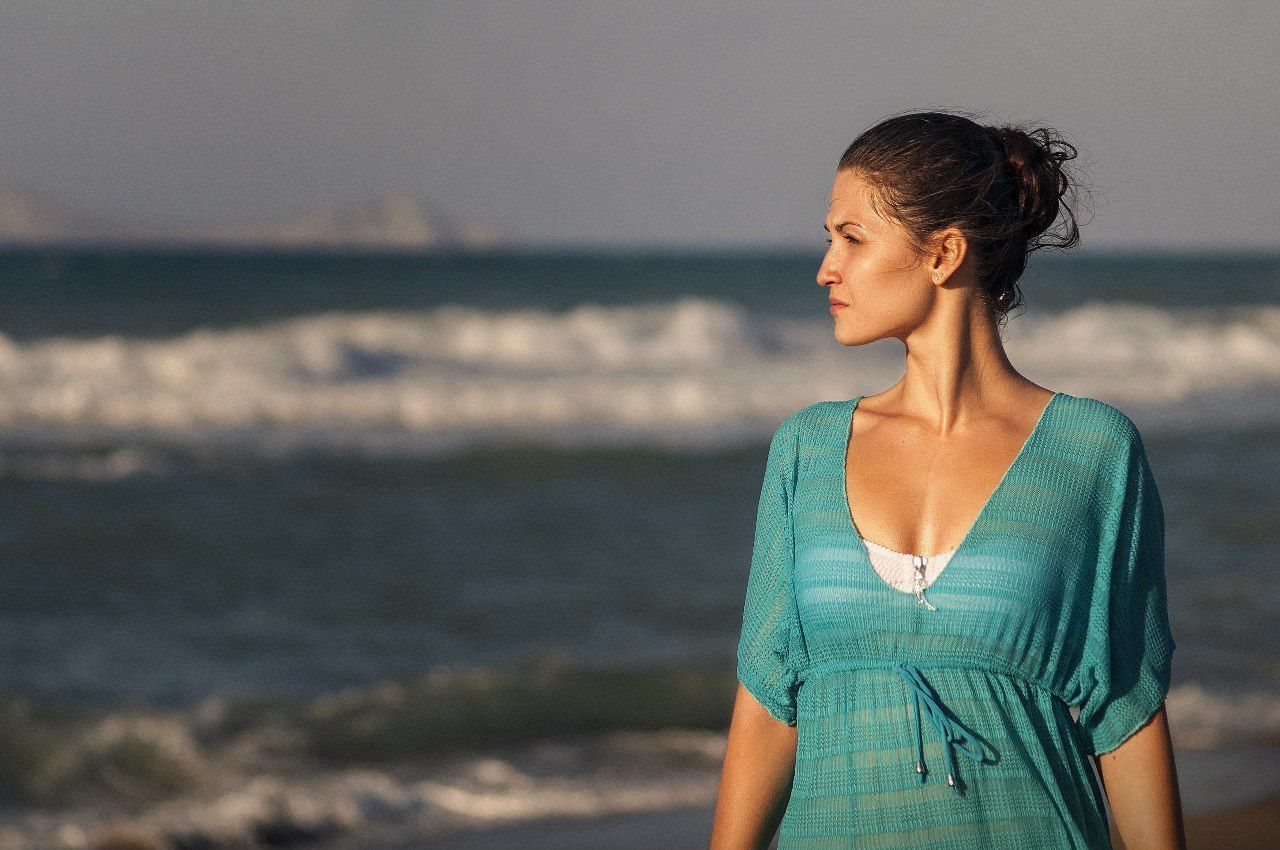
1141, 782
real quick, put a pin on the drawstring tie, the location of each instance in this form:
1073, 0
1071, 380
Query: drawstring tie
950, 731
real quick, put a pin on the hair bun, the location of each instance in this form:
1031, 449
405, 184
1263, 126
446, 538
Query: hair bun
1034, 162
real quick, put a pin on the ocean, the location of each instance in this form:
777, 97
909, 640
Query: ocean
350, 549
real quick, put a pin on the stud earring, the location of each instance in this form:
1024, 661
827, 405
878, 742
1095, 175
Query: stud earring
937, 277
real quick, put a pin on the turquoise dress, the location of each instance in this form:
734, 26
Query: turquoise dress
949, 726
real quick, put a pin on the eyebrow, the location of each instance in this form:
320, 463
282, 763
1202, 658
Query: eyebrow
841, 224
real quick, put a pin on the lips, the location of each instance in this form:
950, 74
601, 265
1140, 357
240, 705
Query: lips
837, 303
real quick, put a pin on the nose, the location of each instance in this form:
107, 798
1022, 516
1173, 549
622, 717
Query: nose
827, 276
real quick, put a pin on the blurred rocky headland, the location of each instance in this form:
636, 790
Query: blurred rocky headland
394, 221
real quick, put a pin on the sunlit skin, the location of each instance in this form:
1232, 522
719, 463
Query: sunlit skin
924, 458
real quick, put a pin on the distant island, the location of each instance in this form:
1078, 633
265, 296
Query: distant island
394, 220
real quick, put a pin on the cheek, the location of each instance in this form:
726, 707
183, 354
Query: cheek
887, 294
873, 277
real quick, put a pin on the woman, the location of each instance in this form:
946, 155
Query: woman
942, 569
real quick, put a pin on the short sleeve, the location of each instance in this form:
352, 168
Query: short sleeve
1129, 647
766, 661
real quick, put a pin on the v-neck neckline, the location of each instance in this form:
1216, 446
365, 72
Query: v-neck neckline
959, 551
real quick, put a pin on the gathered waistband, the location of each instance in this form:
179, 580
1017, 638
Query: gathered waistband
828, 668
927, 702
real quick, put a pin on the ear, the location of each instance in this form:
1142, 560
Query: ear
946, 254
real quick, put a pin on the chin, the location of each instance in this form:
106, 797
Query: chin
844, 336
853, 335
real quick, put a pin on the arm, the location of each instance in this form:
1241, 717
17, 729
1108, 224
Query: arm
1141, 782
759, 763
760, 755
1128, 664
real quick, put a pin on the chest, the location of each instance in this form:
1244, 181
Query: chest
1019, 573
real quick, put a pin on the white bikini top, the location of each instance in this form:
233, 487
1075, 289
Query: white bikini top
907, 572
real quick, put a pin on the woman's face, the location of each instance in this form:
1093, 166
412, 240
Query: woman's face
882, 287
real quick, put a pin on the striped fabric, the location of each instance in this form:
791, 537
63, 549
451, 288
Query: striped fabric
949, 728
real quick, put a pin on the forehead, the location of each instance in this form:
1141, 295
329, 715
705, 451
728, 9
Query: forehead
851, 197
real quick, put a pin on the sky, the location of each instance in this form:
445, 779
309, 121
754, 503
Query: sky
611, 125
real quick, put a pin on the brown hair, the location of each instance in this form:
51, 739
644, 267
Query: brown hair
1003, 187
